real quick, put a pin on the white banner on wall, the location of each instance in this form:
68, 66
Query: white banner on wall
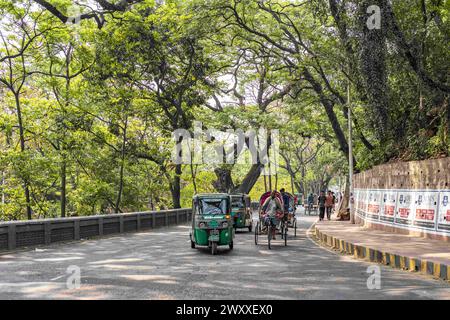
444, 211
373, 204
404, 212
387, 212
426, 210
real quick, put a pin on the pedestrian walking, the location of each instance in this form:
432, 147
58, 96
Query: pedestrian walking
321, 202
329, 203
310, 203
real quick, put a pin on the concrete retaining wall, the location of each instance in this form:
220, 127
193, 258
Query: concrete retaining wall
18, 234
406, 197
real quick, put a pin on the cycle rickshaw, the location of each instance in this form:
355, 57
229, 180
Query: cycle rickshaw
266, 226
291, 217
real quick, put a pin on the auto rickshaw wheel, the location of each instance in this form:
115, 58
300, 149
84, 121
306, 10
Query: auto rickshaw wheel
250, 228
256, 233
192, 244
213, 248
231, 245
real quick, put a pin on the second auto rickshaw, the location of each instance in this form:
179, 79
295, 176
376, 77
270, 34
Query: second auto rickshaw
241, 211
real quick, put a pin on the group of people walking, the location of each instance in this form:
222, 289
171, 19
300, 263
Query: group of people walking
325, 203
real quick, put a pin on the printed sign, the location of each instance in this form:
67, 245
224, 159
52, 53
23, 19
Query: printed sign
404, 208
387, 212
444, 211
373, 204
425, 208
411, 209
358, 202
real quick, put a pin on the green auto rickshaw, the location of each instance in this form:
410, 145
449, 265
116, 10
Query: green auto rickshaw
241, 211
211, 221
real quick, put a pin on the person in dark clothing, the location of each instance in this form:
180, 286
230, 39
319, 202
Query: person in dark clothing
329, 203
310, 203
286, 199
321, 201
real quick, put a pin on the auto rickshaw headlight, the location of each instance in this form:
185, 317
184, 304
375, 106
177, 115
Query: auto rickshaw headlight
227, 216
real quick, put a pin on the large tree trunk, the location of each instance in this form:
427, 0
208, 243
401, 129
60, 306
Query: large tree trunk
22, 149
63, 186
224, 182
176, 187
373, 69
122, 166
344, 205
328, 106
251, 178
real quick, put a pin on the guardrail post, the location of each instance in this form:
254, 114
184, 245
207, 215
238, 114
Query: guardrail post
76, 230
100, 226
47, 232
138, 221
121, 224
12, 237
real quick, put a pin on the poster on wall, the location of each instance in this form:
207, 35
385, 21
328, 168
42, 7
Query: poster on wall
358, 198
363, 203
444, 211
404, 214
373, 204
358, 201
387, 211
425, 203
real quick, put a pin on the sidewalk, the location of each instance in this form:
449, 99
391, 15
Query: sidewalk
405, 252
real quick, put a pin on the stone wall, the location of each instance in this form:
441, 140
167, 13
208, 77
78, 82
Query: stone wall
405, 197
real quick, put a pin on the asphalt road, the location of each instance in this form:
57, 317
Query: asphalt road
160, 264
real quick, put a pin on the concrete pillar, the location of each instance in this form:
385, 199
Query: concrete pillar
138, 221
121, 224
100, 226
12, 237
76, 230
47, 232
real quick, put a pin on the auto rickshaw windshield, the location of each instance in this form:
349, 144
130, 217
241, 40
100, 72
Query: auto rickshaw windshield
213, 206
237, 203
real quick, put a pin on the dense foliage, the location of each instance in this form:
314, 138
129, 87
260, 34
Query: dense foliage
92, 91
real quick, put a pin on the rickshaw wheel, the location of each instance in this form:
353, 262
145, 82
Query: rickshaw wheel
295, 228
285, 236
231, 245
192, 244
269, 235
256, 233
213, 248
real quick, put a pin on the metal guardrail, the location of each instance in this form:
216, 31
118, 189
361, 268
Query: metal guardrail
19, 234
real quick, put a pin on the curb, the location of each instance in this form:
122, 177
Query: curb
436, 270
